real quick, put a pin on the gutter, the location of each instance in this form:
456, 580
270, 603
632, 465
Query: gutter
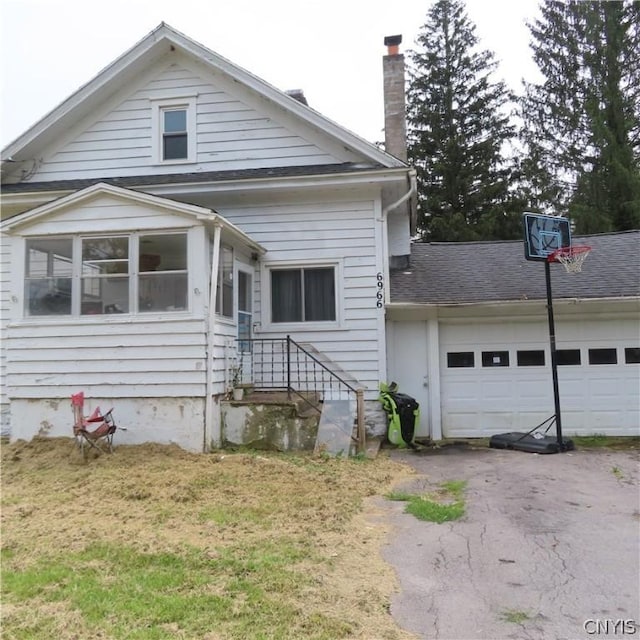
415, 306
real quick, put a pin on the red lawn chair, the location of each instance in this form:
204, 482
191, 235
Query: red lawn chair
96, 430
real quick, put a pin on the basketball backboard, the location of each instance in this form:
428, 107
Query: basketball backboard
544, 234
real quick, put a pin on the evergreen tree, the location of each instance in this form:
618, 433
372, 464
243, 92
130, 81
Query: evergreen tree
458, 128
581, 122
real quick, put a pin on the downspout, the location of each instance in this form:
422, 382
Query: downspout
413, 189
213, 293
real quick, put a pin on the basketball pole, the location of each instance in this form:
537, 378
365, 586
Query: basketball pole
554, 362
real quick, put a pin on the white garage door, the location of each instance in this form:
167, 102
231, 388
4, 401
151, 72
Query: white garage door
496, 377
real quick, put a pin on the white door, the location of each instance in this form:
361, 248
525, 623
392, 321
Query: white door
407, 365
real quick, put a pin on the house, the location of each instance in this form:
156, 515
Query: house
468, 337
173, 208
178, 222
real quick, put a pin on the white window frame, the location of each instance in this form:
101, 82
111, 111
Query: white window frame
158, 107
312, 325
133, 276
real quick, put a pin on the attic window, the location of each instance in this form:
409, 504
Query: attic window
174, 130
174, 134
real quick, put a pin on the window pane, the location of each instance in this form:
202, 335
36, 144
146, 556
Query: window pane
632, 355
175, 120
49, 258
460, 359
603, 356
105, 256
162, 292
48, 283
568, 356
105, 284
531, 358
95, 249
495, 358
319, 294
224, 298
48, 296
286, 295
174, 147
163, 253
105, 295
244, 291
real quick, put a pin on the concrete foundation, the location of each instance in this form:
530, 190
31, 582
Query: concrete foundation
161, 420
275, 425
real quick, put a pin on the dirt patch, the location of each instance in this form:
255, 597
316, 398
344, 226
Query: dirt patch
162, 499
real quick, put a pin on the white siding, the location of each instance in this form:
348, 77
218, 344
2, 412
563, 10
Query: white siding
235, 129
117, 360
398, 233
324, 229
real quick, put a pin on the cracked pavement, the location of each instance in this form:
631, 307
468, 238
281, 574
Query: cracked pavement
547, 543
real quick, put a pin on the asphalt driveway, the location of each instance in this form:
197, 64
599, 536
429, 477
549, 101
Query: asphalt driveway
548, 547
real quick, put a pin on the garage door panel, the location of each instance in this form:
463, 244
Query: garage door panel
570, 389
494, 390
604, 389
603, 422
465, 390
485, 423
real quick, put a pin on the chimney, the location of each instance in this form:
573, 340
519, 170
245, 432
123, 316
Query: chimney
395, 126
297, 94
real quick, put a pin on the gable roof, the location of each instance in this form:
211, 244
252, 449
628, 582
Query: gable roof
476, 272
152, 47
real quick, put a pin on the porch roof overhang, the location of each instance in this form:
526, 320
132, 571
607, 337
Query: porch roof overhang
207, 216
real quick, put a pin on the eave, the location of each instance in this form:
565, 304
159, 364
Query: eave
15, 203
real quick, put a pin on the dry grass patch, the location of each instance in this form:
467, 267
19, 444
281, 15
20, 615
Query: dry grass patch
153, 542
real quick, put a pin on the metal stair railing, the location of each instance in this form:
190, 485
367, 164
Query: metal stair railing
285, 365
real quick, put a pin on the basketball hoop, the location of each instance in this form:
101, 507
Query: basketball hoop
571, 257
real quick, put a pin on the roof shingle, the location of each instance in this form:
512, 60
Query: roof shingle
471, 272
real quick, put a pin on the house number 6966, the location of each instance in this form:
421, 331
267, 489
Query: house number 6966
380, 291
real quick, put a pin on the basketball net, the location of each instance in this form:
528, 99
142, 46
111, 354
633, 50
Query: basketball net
570, 257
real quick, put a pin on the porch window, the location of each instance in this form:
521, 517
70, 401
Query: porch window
132, 273
48, 271
105, 275
306, 294
163, 276
224, 299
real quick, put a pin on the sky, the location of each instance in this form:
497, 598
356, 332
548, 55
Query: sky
331, 49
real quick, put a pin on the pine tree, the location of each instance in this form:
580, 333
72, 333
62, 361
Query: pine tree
581, 122
458, 127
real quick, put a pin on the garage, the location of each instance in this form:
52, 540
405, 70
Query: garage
496, 377
468, 337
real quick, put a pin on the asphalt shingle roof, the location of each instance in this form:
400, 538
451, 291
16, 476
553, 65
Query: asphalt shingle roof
468, 272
